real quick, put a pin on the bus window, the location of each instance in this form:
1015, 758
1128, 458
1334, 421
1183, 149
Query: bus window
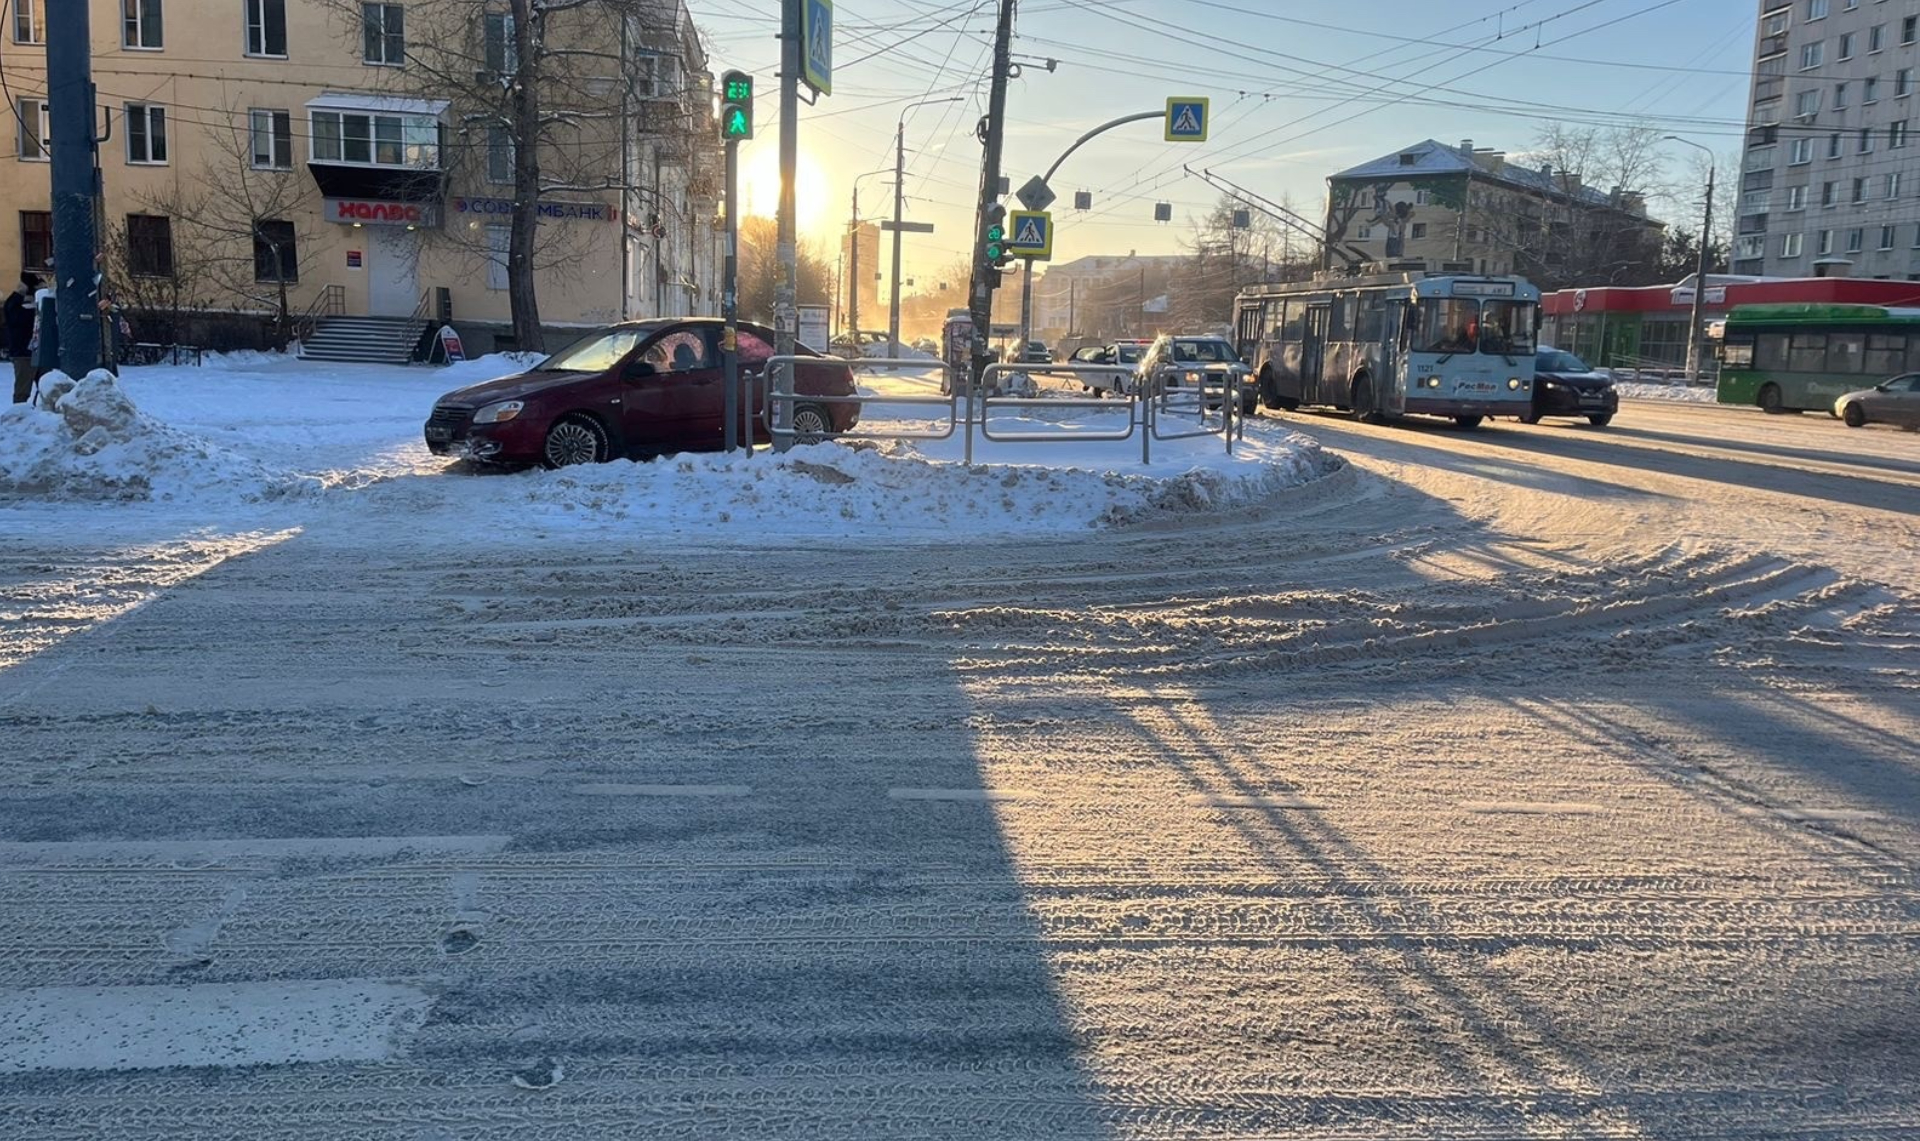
1770, 351
1371, 309
1737, 352
1886, 354
1844, 351
1448, 325
1808, 354
1506, 327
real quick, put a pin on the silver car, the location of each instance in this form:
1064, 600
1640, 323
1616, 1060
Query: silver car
1895, 401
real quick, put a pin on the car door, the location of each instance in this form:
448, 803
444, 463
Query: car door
1899, 403
674, 390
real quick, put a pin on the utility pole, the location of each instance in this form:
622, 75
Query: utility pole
76, 184
1700, 267
992, 133
853, 262
899, 199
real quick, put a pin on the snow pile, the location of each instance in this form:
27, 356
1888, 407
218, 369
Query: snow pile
87, 441
881, 350
1679, 393
243, 360
490, 367
865, 489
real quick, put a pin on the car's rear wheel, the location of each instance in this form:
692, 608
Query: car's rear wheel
1854, 416
811, 424
1770, 401
575, 438
1468, 422
1600, 419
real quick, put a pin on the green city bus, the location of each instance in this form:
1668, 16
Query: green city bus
1795, 358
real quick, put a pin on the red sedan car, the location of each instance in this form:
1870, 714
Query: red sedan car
637, 389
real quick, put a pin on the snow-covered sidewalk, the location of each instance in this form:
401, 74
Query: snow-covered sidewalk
278, 438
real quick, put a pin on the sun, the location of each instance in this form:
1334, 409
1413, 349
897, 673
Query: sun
760, 189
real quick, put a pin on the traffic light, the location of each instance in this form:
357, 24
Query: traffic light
995, 250
736, 106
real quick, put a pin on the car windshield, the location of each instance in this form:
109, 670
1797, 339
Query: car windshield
1554, 360
595, 352
1129, 354
1206, 352
1506, 327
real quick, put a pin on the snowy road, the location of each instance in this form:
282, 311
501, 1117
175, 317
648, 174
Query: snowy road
1533, 782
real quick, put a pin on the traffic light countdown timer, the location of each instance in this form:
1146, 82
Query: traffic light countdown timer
736, 106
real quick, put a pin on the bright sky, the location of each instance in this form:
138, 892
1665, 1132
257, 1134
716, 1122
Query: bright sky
1299, 89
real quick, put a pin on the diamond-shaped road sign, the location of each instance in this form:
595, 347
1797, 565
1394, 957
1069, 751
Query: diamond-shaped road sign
1034, 194
1187, 119
1030, 235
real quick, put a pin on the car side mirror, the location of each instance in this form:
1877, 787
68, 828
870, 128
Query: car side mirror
641, 370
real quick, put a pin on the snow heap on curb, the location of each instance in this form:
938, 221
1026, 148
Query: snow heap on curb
87, 441
1680, 393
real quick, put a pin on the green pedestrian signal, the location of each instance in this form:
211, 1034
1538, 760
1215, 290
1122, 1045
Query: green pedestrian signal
994, 240
736, 106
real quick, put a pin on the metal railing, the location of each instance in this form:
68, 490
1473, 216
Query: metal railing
331, 301
1149, 414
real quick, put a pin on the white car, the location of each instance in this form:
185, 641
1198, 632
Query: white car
1200, 362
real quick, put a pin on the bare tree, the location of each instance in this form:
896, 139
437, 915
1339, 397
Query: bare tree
1223, 258
1591, 226
759, 270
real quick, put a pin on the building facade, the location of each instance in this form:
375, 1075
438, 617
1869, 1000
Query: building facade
1828, 183
1102, 297
302, 156
1436, 207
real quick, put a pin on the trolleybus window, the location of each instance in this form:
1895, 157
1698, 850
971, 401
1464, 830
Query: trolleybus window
1506, 327
1448, 325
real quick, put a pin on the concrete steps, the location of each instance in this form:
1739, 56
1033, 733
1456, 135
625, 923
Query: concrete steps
363, 340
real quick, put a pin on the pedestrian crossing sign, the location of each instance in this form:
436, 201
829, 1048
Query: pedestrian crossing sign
1187, 119
1030, 235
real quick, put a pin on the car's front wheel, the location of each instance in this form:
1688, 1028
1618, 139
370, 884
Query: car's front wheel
1600, 419
575, 438
1854, 416
1529, 417
1468, 422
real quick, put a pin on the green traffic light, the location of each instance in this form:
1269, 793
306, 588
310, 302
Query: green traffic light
738, 126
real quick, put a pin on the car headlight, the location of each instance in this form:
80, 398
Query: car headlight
499, 413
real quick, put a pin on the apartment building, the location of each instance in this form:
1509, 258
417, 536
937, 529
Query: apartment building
358, 159
1828, 184
1469, 209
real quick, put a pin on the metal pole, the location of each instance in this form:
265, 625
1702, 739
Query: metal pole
1697, 314
786, 312
1026, 308
70, 98
899, 200
980, 297
853, 274
730, 304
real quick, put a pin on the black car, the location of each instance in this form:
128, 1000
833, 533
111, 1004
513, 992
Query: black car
1565, 385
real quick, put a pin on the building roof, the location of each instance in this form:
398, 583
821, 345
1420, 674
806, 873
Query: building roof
1431, 157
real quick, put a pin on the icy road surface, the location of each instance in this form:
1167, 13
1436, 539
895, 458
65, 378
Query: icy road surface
1526, 783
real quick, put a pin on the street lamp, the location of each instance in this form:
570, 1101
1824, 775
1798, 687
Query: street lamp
1700, 270
853, 257
899, 179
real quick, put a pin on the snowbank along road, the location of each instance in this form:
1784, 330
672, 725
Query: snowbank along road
1533, 782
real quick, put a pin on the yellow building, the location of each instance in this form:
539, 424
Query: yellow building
310, 159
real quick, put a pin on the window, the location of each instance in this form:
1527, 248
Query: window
1825, 246
36, 238
33, 135
1790, 246
1876, 37
382, 140
1844, 351
1859, 190
1903, 83
146, 133
1796, 198
1886, 353
1812, 55
1866, 140
1827, 193
275, 257
140, 25
1816, 9
1846, 46
1833, 145
29, 23
1856, 238
1886, 237
1893, 185
272, 133
1776, 23
503, 55
1870, 90
1897, 135
1751, 247
1808, 102
267, 27
1800, 152
150, 245
1420, 198
1807, 352
499, 243
1839, 97
383, 32
500, 158
1365, 234
1909, 29
1419, 229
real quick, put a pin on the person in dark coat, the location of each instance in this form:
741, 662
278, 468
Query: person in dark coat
19, 321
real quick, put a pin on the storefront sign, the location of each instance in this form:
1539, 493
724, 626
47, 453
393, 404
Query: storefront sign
355, 260
549, 211
378, 212
450, 345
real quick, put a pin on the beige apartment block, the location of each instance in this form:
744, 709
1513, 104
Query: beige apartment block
352, 159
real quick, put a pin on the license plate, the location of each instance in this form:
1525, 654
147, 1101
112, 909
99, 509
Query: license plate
1590, 398
439, 435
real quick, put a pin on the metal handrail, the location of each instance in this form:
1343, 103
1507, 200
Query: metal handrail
426, 303
780, 394
331, 301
